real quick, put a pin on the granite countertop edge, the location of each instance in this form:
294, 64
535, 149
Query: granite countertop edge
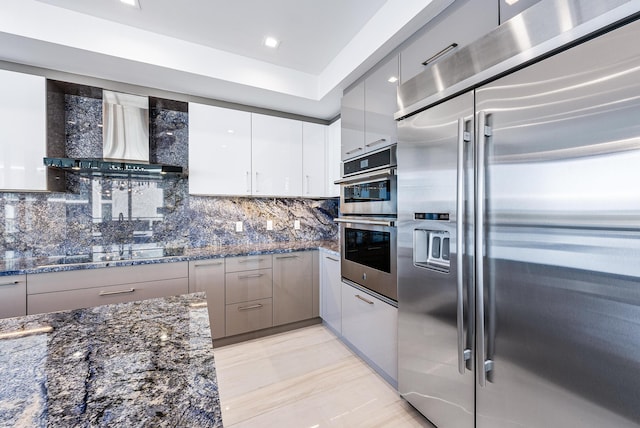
34, 266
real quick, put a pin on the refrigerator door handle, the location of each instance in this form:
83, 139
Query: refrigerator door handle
463, 353
484, 364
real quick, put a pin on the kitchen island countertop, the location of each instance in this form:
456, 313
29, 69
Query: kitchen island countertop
145, 363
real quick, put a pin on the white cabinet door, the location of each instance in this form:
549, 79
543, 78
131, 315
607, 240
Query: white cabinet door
276, 156
219, 151
461, 23
333, 172
509, 8
330, 290
23, 141
314, 142
371, 326
352, 115
380, 101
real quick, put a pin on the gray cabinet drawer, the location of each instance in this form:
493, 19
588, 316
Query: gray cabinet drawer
87, 297
88, 278
248, 316
248, 285
237, 264
13, 296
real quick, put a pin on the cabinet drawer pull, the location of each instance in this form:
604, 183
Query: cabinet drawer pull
247, 308
28, 332
287, 257
363, 299
375, 143
332, 259
255, 275
110, 293
441, 53
353, 151
209, 264
250, 260
9, 283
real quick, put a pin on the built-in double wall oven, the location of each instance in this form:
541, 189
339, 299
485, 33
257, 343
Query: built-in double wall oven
368, 210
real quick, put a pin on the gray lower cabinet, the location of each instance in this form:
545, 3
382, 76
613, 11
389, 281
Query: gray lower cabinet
58, 291
248, 293
292, 287
209, 276
13, 296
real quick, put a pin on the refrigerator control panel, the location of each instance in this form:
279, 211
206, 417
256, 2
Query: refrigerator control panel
431, 249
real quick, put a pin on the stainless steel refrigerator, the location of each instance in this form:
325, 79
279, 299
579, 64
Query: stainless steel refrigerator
519, 245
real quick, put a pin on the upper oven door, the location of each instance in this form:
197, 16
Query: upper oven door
370, 194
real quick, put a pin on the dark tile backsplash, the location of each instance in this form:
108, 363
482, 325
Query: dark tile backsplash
111, 218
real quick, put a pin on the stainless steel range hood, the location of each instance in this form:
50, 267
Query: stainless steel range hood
125, 134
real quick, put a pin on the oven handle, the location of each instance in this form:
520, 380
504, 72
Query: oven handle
367, 176
388, 223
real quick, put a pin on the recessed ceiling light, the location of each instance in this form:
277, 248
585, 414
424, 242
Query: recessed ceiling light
271, 42
392, 79
511, 2
134, 3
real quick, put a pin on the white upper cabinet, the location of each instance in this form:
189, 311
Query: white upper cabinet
219, 151
314, 142
277, 156
367, 111
333, 158
23, 142
458, 25
381, 102
509, 8
352, 116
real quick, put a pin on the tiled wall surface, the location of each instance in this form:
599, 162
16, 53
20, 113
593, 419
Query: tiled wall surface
105, 217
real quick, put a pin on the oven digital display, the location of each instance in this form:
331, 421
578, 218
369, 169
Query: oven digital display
368, 192
368, 248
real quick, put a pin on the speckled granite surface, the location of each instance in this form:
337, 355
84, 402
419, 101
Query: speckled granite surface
142, 364
59, 264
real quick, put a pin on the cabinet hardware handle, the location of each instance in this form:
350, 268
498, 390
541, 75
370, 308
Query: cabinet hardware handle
10, 283
250, 260
375, 143
248, 182
307, 184
441, 53
257, 191
22, 333
209, 264
332, 259
287, 257
110, 293
255, 275
197, 305
363, 299
246, 308
353, 151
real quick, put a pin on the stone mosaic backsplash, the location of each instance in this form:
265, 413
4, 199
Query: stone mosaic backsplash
127, 218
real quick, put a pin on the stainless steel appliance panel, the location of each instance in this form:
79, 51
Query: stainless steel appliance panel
558, 287
368, 253
435, 285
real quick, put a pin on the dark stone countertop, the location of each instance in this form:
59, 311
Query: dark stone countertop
58, 264
144, 364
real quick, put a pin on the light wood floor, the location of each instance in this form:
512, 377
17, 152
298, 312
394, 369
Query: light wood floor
305, 378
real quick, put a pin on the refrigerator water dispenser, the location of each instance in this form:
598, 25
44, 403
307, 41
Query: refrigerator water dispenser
431, 249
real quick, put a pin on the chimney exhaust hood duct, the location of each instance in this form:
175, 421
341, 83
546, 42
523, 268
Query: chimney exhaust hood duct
125, 127
125, 135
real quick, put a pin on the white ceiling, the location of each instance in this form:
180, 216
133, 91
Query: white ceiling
213, 48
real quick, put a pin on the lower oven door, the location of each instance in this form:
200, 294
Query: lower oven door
368, 254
